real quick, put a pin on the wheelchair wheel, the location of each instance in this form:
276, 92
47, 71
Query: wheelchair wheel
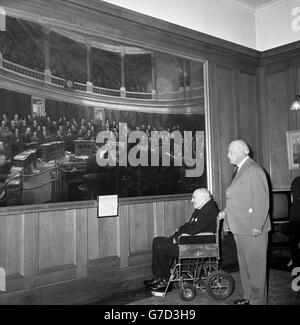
220, 285
187, 292
206, 270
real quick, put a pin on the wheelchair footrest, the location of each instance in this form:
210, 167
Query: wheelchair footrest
158, 294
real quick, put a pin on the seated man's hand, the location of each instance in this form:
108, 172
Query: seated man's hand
256, 232
221, 215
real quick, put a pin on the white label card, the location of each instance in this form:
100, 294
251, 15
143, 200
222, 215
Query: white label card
107, 205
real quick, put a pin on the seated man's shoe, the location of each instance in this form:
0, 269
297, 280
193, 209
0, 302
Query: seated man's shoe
160, 285
161, 291
150, 283
241, 302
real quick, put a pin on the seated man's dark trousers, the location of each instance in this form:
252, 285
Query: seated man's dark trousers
163, 250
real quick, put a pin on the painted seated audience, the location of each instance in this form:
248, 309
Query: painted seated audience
58, 136
17, 131
27, 136
35, 137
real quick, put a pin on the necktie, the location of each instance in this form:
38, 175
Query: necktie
234, 173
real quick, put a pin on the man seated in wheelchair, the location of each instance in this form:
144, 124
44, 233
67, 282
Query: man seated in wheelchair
164, 249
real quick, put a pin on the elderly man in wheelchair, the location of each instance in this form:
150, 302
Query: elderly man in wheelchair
193, 254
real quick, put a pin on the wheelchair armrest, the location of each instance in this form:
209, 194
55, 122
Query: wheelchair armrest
196, 235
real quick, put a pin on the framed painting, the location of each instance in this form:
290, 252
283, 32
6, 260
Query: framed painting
293, 148
150, 104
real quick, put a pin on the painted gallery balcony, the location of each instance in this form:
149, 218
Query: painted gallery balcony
13, 70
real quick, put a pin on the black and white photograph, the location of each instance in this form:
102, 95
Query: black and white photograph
150, 155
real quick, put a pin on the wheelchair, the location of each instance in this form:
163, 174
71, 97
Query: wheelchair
198, 267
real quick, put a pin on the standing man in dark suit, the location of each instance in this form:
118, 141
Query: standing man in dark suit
203, 219
246, 216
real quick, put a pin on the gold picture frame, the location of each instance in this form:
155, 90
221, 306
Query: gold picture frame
293, 148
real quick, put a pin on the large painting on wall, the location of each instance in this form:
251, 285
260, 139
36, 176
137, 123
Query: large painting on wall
134, 123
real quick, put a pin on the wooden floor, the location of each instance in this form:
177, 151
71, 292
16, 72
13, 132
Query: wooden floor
280, 292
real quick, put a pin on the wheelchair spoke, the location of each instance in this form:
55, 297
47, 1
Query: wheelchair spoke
219, 286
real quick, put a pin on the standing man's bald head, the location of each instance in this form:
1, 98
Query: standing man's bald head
237, 151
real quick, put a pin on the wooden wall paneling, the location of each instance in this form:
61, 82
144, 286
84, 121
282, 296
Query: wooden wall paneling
18, 250
215, 133
123, 235
278, 117
30, 244
295, 61
141, 227
260, 132
291, 81
81, 242
107, 234
227, 116
158, 219
56, 240
227, 120
264, 119
107, 228
12, 245
176, 214
93, 235
248, 111
236, 96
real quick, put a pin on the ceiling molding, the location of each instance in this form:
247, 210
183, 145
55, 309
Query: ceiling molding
251, 8
269, 6
243, 5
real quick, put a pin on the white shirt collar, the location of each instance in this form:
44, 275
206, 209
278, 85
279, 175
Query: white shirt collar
242, 162
203, 204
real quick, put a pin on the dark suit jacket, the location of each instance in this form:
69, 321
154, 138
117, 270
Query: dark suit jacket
202, 220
